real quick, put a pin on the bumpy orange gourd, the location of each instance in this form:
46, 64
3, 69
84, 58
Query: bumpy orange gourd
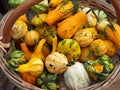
68, 27
61, 11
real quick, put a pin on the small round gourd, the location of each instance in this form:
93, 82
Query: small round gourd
84, 37
19, 29
56, 63
31, 36
70, 48
98, 47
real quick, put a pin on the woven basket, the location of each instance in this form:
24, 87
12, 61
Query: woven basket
5, 35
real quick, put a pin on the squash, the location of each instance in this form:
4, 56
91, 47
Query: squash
54, 3
76, 77
35, 65
16, 58
84, 37
68, 27
98, 47
64, 9
99, 69
113, 33
48, 81
31, 37
29, 78
19, 29
38, 20
23, 18
86, 55
111, 48
25, 49
56, 63
70, 48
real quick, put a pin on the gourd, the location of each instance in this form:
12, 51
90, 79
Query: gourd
19, 29
29, 78
35, 65
25, 49
23, 18
68, 27
38, 20
98, 47
16, 58
31, 37
100, 15
70, 48
64, 9
101, 26
56, 63
86, 55
111, 48
84, 37
100, 68
76, 77
113, 33
54, 3
48, 81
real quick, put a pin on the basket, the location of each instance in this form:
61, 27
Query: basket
9, 19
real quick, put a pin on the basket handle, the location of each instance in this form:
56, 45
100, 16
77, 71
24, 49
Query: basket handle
20, 10
116, 5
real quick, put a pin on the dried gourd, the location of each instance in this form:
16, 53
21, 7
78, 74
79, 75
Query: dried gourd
70, 48
68, 27
84, 37
98, 47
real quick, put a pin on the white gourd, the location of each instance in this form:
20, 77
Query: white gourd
76, 77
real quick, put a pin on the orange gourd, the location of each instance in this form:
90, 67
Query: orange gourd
68, 27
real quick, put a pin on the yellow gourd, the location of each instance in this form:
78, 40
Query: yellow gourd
55, 3
68, 27
35, 66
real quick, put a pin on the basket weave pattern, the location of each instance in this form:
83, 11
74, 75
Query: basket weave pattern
15, 78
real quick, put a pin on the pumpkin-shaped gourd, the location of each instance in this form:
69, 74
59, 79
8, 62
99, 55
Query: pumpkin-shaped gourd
16, 58
99, 69
86, 55
23, 18
70, 48
48, 81
56, 63
98, 47
31, 37
19, 29
38, 20
111, 48
76, 77
84, 37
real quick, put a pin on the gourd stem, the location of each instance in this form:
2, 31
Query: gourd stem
54, 44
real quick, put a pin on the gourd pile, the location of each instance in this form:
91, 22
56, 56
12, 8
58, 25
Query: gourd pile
64, 39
